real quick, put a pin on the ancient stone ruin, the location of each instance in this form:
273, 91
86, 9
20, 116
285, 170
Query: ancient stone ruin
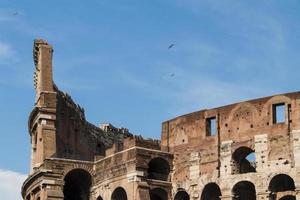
247, 151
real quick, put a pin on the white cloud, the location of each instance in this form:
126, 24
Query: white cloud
6, 51
10, 184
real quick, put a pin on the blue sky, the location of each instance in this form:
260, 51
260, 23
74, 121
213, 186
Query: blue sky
113, 58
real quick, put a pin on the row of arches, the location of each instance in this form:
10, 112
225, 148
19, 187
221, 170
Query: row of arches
245, 190
155, 194
78, 183
243, 161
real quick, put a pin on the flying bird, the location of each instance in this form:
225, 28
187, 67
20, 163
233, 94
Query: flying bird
172, 75
15, 13
171, 46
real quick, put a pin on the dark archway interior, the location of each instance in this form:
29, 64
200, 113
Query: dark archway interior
281, 182
288, 197
242, 163
77, 185
99, 198
244, 190
182, 195
211, 191
159, 169
158, 194
119, 194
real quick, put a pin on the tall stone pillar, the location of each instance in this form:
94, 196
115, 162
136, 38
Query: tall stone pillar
225, 158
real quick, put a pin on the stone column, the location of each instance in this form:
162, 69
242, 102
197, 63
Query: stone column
262, 196
226, 197
261, 152
225, 158
296, 147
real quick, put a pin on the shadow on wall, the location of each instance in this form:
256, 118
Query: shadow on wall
158, 169
158, 194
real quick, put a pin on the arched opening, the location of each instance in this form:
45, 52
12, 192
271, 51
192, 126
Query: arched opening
182, 195
159, 169
77, 185
288, 197
280, 184
158, 194
99, 198
119, 194
244, 190
211, 191
243, 160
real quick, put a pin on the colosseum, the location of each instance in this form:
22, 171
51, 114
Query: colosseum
248, 150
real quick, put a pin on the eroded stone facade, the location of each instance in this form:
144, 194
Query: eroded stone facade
248, 150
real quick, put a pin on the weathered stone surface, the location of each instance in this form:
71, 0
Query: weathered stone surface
73, 159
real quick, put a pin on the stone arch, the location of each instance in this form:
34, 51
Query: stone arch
267, 108
244, 190
241, 118
79, 166
211, 191
158, 169
288, 197
158, 194
243, 160
182, 195
275, 100
77, 185
119, 194
280, 184
245, 105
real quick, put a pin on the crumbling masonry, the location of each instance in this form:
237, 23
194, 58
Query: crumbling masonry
248, 150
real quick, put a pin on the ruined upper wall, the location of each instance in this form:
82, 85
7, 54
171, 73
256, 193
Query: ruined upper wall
238, 123
57, 125
77, 138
